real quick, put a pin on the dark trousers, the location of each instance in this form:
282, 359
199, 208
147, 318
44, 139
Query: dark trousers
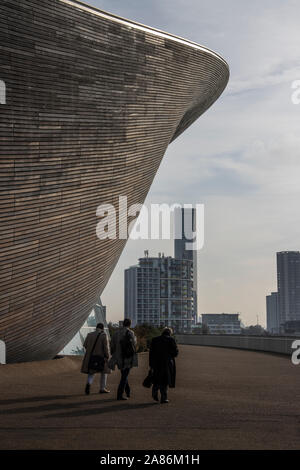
163, 391
124, 385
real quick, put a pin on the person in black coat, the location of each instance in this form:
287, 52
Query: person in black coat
163, 351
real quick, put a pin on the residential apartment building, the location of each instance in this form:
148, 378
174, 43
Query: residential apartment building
159, 292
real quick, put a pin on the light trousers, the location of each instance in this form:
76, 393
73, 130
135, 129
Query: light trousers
103, 380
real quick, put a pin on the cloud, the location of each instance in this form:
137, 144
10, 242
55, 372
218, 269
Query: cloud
281, 74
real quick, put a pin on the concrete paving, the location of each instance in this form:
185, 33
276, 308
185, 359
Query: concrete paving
224, 399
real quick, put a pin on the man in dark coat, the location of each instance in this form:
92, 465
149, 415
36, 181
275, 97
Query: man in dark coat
163, 351
124, 362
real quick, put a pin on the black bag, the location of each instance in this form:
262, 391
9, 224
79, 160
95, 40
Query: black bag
127, 346
96, 363
148, 380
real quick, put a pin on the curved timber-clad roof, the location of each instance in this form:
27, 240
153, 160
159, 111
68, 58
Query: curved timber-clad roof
92, 102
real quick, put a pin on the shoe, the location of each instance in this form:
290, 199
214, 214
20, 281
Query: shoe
164, 401
104, 391
122, 398
87, 389
155, 397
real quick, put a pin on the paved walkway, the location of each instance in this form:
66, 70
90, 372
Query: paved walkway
225, 399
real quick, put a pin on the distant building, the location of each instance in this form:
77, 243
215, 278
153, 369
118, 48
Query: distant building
222, 323
288, 281
272, 313
292, 328
185, 220
159, 292
131, 293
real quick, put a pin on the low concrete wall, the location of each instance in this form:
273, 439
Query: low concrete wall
2, 352
27, 370
280, 344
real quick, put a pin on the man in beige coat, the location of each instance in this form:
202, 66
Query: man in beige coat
96, 343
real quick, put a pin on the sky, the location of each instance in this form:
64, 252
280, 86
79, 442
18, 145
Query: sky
240, 159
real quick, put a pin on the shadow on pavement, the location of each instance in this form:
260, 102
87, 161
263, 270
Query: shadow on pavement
54, 406
104, 409
13, 401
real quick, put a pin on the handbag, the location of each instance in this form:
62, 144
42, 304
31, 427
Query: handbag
148, 381
96, 363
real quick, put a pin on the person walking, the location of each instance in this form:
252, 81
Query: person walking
163, 350
123, 348
97, 346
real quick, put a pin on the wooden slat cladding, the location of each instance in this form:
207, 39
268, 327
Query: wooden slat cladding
91, 106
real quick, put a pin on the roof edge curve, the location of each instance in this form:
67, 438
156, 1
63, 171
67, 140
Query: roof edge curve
134, 24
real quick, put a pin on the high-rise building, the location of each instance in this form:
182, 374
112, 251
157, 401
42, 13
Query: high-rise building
159, 292
222, 323
131, 276
288, 281
272, 313
185, 223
